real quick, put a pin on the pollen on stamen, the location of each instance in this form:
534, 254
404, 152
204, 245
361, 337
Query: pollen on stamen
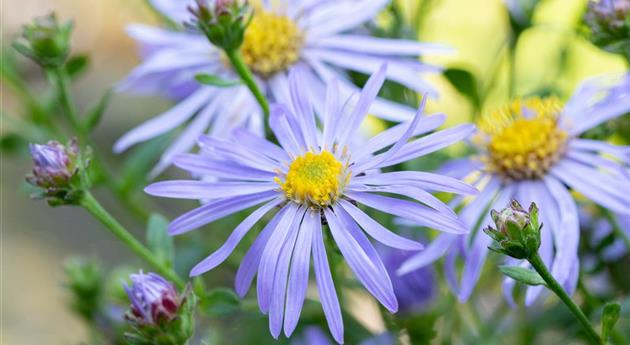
523, 140
272, 43
314, 179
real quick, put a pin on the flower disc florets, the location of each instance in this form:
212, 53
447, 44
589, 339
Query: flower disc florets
522, 141
315, 179
272, 43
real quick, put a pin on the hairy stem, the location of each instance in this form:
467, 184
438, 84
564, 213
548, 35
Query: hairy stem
554, 286
94, 207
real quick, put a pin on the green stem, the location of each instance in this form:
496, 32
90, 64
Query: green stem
94, 207
554, 286
236, 59
67, 104
617, 227
61, 78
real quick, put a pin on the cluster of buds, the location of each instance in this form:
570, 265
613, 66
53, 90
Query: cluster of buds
609, 23
158, 314
517, 232
222, 21
55, 170
45, 41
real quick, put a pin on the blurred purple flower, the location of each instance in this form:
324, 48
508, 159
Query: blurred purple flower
315, 336
312, 176
414, 291
600, 228
320, 37
53, 164
531, 151
153, 298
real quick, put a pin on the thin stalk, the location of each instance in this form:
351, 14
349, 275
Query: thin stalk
67, 104
94, 207
61, 79
236, 59
536, 262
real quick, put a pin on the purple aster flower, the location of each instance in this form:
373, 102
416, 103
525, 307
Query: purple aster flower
531, 151
153, 299
315, 177
53, 164
318, 36
315, 336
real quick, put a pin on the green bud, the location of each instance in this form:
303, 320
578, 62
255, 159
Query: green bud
84, 279
517, 232
222, 21
45, 41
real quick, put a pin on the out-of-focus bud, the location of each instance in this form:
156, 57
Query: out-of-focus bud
609, 24
45, 41
85, 282
222, 21
53, 164
158, 314
517, 231
153, 299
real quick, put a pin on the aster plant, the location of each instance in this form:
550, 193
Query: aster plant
322, 38
531, 151
315, 178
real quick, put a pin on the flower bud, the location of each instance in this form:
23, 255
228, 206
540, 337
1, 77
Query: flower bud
154, 300
53, 165
517, 231
85, 281
609, 24
45, 41
222, 21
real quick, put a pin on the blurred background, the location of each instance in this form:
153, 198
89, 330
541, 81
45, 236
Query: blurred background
36, 239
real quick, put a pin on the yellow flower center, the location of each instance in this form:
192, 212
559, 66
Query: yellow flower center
271, 44
316, 180
523, 140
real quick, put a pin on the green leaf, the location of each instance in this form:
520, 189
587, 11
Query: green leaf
11, 143
158, 240
96, 113
140, 161
76, 65
610, 318
465, 83
523, 275
209, 79
220, 302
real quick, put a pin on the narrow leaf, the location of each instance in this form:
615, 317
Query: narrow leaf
213, 80
523, 275
96, 113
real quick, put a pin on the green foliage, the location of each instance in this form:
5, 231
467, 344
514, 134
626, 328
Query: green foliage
84, 279
610, 317
158, 239
213, 80
522, 275
77, 65
220, 302
466, 84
